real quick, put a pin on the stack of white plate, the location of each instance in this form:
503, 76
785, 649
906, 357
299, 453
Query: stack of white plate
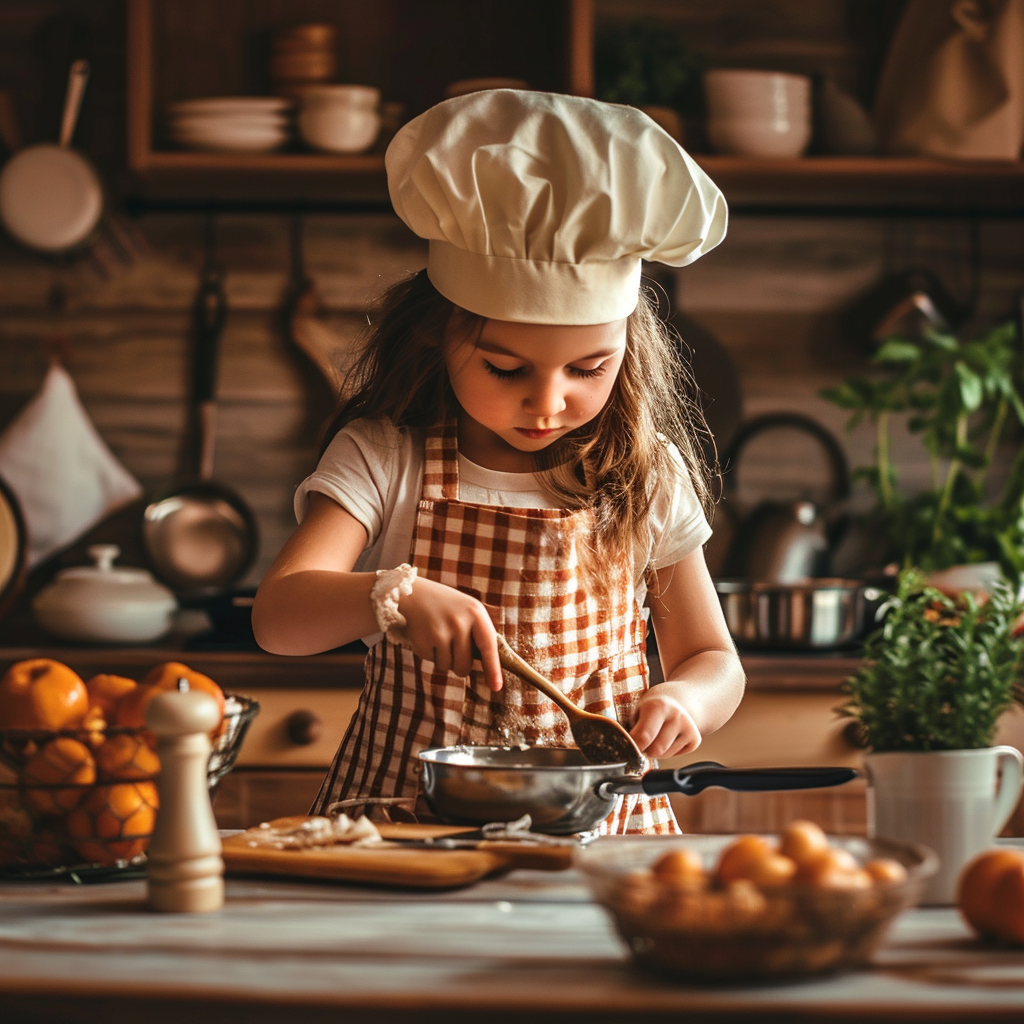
237, 124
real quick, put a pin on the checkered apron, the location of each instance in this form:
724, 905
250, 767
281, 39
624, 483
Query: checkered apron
522, 563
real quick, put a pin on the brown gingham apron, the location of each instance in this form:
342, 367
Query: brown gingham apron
522, 563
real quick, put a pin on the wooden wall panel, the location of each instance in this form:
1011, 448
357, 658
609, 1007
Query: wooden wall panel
773, 294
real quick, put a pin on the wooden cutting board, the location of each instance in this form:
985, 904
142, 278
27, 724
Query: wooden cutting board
396, 865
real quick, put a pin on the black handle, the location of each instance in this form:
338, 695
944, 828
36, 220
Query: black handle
695, 778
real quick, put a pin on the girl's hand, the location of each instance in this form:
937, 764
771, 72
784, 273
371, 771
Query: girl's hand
450, 628
664, 727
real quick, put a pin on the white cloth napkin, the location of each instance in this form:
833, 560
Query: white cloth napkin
64, 475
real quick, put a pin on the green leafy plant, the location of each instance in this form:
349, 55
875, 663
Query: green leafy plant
938, 672
959, 398
644, 63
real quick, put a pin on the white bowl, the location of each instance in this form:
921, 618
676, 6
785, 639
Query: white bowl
211, 122
229, 138
224, 105
771, 94
768, 138
338, 129
358, 97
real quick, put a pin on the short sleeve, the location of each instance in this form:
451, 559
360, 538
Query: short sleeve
678, 524
359, 470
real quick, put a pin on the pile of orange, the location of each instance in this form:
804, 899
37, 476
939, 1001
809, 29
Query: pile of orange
85, 788
990, 893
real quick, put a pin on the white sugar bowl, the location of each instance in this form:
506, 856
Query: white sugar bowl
104, 603
339, 118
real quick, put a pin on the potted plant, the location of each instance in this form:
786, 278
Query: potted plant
938, 673
646, 65
959, 397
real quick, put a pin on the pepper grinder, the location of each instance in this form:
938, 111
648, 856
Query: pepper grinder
184, 868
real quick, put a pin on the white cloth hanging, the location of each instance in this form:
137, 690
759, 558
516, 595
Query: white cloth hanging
65, 476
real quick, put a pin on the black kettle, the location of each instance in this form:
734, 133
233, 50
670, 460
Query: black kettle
784, 541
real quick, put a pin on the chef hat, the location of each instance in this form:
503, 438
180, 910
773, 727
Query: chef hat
539, 206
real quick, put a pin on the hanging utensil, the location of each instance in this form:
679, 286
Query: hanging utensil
51, 199
202, 537
322, 346
601, 740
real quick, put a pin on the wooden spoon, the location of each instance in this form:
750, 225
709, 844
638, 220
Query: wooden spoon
601, 740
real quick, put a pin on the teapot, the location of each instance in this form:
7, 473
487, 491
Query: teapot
104, 603
784, 541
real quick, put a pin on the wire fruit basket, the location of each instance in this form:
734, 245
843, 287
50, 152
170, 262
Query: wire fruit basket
83, 802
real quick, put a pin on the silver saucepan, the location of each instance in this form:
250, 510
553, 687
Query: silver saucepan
563, 793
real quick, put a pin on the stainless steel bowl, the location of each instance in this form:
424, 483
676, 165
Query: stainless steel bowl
813, 614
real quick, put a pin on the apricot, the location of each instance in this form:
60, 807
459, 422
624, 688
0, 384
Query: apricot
832, 868
680, 867
885, 869
61, 761
993, 906
736, 858
803, 841
114, 822
41, 693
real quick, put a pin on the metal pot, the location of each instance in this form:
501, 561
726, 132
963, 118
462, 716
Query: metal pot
563, 793
815, 613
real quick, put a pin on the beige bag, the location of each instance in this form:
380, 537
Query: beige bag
953, 81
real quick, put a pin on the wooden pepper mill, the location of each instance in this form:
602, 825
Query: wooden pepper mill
184, 868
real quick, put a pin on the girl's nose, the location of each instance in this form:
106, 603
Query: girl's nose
545, 399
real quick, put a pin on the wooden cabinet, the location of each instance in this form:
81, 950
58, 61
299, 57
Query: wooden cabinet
411, 50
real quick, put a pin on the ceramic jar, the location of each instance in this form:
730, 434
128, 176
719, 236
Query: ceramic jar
104, 603
953, 801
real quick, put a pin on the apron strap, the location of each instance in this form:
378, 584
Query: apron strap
441, 462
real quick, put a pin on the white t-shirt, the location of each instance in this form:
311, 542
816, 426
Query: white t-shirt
374, 470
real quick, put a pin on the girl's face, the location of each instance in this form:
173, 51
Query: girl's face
523, 386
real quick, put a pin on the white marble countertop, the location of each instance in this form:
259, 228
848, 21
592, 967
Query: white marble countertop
530, 942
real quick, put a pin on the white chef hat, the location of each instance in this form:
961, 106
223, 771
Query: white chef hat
539, 206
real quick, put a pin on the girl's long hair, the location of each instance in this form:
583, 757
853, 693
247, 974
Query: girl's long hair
607, 464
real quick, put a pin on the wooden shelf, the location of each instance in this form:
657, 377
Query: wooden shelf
815, 184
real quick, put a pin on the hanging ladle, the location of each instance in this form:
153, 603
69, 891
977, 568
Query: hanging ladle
601, 740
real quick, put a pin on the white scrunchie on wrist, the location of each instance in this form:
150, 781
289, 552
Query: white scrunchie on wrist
390, 585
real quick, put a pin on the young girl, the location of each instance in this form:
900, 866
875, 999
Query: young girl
512, 455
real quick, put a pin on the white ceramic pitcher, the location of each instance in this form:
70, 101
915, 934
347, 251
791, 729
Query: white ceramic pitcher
954, 801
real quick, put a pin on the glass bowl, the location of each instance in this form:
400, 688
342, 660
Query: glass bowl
741, 933
39, 837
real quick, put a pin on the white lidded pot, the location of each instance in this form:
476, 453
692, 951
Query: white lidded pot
104, 603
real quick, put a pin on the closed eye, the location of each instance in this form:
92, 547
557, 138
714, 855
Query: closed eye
577, 371
501, 374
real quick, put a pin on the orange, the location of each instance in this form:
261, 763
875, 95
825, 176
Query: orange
106, 690
125, 757
61, 761
739, 855
131, 709
988, 904
114, 822
42, 694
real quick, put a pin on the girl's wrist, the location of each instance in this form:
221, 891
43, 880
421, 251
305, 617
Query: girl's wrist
389, 587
